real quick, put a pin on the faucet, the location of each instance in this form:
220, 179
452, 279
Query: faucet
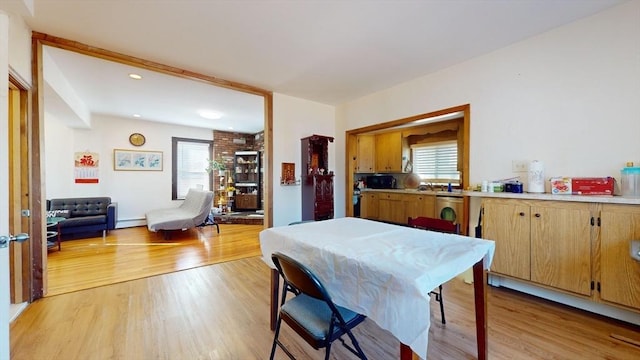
427, 185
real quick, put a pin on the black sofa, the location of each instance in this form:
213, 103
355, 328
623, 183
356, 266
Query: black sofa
84, 214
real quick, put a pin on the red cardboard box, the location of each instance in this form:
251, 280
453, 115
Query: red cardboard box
592, 186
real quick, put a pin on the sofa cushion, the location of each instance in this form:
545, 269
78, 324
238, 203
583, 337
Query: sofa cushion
84, 221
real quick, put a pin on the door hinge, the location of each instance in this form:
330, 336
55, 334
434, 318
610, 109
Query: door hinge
25, 213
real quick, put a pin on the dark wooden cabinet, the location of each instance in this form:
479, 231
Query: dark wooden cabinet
317, 179
247, 177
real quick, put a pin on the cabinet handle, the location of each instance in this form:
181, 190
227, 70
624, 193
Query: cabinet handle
521, 214
538, 215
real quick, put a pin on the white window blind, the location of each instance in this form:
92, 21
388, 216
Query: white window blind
191, 162
437, 162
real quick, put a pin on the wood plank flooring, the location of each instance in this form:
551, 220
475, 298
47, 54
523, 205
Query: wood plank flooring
134, 253
221, 311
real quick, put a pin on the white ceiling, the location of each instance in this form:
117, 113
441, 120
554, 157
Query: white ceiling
326, 51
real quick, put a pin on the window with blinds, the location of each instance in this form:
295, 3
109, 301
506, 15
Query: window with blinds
437, 163
190, 158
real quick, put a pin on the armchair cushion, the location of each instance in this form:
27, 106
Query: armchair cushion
193, 212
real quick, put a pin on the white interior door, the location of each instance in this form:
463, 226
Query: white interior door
4, 185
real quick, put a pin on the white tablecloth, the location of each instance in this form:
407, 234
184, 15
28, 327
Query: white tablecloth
380, 270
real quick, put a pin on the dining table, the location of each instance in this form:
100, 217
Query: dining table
384, 271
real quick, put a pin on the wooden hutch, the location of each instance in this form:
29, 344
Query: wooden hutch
317, 180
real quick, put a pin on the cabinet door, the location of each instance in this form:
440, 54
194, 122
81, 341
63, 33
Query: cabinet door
369, 206
508, 224
619, 273
389, 152
419, 205
365, 157
390, 208
561, 246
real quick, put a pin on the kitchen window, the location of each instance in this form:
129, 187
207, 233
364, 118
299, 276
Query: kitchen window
436, 163
190, 158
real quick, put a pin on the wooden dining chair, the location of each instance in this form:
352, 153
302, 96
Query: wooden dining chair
439, 225
311, 313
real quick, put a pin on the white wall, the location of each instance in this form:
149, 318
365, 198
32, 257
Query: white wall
136, 192
293, 119
568, 97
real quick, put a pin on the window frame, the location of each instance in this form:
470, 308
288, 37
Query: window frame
174, 163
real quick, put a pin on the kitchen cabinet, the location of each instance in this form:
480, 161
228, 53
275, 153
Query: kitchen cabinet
365, 154
416, 205
369, 206
388, 152
395, 206
508, 224
619, 281
391, 208
545, 242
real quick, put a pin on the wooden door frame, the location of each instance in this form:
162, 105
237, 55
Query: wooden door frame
37, 135
20, 185
351, 137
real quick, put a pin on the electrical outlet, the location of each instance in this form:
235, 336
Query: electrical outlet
519, 166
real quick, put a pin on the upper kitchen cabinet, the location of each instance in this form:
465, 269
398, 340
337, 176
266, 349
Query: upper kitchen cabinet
388, 153
365, 154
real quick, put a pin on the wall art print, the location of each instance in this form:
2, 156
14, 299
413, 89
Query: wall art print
86, 165
136, 160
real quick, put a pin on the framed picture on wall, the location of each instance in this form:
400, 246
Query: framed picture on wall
136, 160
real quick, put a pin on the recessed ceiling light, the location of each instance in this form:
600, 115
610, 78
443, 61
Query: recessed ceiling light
137, 115
135, 76
208, 114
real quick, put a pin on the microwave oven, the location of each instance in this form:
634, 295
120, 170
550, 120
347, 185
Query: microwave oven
381, 182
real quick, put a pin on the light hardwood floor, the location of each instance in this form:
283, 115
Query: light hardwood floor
221, 311
134, 253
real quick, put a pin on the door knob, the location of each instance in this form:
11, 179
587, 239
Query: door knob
4, 240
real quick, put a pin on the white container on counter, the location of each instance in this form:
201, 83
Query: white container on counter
630, 184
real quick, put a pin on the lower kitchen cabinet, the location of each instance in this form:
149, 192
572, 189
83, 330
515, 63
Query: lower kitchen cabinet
396, 207
577, 247
619, 273
369, 206
508, 223
390, 208
419, 205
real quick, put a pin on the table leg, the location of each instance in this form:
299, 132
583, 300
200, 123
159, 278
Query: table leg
59, 236
480, 300
480, 296
275, 286
406, 353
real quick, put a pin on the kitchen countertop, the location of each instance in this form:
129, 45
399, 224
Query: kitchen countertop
455, 193
603, 199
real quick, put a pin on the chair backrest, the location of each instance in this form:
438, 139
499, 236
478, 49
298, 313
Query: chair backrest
434, 224
198, 204
300, 277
